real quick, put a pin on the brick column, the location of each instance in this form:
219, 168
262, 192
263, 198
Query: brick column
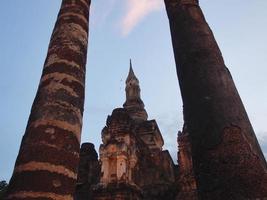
228, 162
46, 167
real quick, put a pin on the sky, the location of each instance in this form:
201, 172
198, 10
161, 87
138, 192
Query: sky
120, 30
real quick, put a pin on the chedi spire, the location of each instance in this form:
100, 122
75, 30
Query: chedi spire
134, 104
131, 75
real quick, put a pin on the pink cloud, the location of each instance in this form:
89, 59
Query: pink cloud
137, 10
101, 11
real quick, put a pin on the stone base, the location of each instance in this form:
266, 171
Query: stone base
191, 195
117, 191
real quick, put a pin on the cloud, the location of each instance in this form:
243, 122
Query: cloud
170, 123
101, 11
136, 11
262, 138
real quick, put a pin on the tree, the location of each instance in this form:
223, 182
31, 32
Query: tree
3, 188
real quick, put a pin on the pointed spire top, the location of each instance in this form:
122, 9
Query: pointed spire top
131, 64
131, 74
134, 104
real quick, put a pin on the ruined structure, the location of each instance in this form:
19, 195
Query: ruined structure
219, 156
46, 167
133, 163
186, 182
227, 160
88, 172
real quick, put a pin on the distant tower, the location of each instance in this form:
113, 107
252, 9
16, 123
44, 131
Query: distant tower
134, 104
46, 167
227, 160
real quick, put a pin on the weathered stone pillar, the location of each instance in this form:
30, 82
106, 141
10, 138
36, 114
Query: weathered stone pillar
46, 167
228, 162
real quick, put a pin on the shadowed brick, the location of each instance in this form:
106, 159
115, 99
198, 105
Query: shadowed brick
223, 141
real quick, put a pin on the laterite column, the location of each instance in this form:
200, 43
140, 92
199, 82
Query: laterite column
227, 160
46, 167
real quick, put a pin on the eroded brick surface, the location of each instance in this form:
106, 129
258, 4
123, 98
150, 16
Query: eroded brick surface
46, 167
222, 161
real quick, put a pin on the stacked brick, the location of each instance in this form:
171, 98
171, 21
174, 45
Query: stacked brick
212, 109
88, 172
46, 167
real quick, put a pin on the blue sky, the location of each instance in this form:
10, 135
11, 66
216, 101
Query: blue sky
120, 30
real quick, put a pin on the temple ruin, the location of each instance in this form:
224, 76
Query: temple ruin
219, 157
132, 161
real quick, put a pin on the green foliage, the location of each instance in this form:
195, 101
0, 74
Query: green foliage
3, 189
